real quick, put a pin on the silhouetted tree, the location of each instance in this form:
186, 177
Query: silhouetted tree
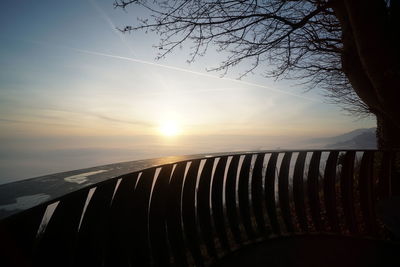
349, 48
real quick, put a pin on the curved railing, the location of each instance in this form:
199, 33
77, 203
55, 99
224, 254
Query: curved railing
197, 211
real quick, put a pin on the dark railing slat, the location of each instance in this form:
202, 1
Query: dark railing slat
230, 194
257, 195
313, 190
298, 191
330, 191
367, 194
283, 187
395, 182
189, 217
18, 235
174, 215
243, 194
385, 174
141, 254
203, 210
121, 234
157, 218
59, 239
346, 182
92, 241
270, 193
217, 203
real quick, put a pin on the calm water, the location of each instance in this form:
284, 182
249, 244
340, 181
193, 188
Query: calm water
26, 158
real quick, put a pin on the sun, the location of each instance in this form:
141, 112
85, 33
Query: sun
169, 128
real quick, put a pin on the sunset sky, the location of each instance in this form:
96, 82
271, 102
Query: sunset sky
69, 81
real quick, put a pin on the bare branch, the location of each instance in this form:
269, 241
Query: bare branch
301, 40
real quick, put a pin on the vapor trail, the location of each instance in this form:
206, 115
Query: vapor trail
110, 23
193, 72
104, 15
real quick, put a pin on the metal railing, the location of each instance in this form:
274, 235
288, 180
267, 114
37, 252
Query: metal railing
194, 212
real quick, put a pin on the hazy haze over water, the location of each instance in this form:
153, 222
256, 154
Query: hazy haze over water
31, 157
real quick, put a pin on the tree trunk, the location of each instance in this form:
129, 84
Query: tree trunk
370, 60
388, 135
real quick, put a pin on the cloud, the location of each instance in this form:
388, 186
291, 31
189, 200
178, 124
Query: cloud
31, 122
103, 117
12, 121
134, 122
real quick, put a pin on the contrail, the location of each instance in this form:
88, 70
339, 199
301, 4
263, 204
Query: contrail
176, 69
194, 72
104, 15
110, 23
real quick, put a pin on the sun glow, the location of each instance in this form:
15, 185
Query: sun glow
169, 128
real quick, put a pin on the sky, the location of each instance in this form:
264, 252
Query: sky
75, 93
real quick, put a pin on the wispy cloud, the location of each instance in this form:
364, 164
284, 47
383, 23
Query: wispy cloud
133, 122
36, 122
58, 119
101, 116
12, 121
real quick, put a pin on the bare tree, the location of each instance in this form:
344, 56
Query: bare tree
346, 47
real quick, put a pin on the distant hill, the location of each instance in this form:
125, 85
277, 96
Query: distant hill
359, 138
365, 140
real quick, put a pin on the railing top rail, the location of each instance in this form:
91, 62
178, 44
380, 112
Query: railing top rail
21, 195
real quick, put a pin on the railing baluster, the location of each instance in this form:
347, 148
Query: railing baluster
270, 193
385, 175
367, 195
230, 194
18, 235
92, 241
330, 191
174, 215
59, 238
189, 213
313, 189
283, 186
121, 234
244, 205
217, 202
395, 182
157, 217
140, 207
204, 210
298, 191
346, 181
257, 195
